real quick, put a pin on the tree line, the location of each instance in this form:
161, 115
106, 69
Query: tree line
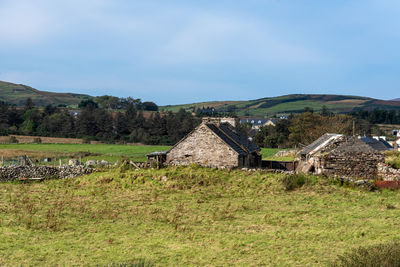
304, 128
95, 122
111, 119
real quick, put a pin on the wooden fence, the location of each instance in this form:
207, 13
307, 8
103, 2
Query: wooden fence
279, 165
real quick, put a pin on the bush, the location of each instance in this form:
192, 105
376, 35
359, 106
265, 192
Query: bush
393, 159
86, 140
13, 140
383, 255
293, 181
37, 140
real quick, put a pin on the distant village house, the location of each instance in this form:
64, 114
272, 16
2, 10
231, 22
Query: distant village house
257, 123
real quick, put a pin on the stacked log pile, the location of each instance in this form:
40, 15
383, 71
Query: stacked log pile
14, 173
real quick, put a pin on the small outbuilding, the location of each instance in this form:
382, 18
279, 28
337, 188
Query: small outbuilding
215, 143
346, 156
157, 158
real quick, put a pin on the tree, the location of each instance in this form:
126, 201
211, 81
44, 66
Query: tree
29, 104
150, 106
89, 103
3, 118
307, 127
325, 111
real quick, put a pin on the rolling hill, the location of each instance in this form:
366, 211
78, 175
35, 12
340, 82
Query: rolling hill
18, 93
291, 104
263, 107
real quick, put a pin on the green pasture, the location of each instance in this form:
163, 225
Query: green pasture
109, 152
189, 216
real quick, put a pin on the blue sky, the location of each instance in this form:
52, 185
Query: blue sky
173, 52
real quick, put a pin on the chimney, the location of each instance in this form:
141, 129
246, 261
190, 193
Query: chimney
218, 121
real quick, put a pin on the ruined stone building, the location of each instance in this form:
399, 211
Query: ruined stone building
340, 155
215, 143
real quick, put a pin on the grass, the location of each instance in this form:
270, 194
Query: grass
189, 216
17, 94
111, 153
393, 159
269, 154
282, 104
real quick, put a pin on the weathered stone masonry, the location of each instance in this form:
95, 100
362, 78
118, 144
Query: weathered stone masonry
14, 173
204, 148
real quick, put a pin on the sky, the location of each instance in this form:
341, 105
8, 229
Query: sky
174, 52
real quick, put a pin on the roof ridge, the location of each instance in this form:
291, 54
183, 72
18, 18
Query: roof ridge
230, 138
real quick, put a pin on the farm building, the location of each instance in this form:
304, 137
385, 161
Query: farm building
396, 144
340, 155
215, 143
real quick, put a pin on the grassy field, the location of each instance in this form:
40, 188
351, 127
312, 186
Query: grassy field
111, 153
17, 94
288, 104
189, 216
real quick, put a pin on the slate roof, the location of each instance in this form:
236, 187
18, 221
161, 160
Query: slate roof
354, 145
317, 143
233, 138
365, 144
379, 145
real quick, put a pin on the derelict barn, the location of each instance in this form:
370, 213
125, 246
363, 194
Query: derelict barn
215, 143
340, 155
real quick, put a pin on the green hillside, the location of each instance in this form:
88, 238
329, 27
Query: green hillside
291, 104
18, 93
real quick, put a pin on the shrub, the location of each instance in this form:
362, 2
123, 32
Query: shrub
393, 159
13, 140
37, 140
293, 181
86, 140
382, 255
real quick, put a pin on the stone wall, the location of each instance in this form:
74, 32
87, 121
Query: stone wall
352, 165
387, 173
14, 173
204, 148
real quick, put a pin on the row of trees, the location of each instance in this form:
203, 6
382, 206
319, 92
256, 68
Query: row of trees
117, 103
97, 120
304, 128
96, 123
378, 116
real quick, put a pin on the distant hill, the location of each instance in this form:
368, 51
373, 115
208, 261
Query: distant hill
292, 104
18, 93
396, 99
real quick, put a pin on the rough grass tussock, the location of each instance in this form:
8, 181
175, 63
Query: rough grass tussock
189, 216
382, 255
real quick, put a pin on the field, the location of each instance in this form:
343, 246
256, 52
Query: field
189, 216
17, 94
287, 104
111, 153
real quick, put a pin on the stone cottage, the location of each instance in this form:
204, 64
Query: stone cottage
215, 143
340, 155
